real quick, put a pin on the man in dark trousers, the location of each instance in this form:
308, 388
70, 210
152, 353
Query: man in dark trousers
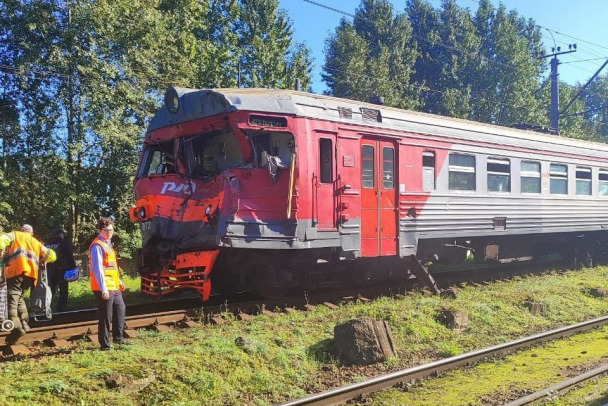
107, 286
65, 262
22, 258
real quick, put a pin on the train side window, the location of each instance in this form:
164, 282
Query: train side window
603, 182
388, 168
262, 145
157, 159
326, 158
272, 149
558, 175
530, 177
499, 175
583, 181
462, 172
367, 167
428, 171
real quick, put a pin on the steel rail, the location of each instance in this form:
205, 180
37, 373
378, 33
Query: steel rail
77, 317
82, 328
345, 393
559, 387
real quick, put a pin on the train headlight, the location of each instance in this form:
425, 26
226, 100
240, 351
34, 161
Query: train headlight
141, 213
172, 100
208, 210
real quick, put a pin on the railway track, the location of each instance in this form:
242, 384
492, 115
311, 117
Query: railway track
348, 392
560, 387
67, 327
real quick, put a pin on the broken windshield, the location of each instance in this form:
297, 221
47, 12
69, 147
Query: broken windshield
210, 153
158, 159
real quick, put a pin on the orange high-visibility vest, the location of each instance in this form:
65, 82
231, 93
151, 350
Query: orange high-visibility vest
110, 266
22, 256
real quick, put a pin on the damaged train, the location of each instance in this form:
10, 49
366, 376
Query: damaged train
268, 190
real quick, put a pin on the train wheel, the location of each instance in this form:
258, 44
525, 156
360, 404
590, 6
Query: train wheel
271, 292
275, 283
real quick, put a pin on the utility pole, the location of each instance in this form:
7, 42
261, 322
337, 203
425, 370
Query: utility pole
555, 83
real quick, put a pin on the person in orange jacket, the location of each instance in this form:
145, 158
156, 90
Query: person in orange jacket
107, 286
22, 256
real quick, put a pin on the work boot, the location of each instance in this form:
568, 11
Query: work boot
26, 326
14, 336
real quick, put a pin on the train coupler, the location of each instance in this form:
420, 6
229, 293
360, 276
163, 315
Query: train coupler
188, 271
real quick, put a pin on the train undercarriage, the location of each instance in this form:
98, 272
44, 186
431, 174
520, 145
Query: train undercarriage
579, 249
273, 273
270, 273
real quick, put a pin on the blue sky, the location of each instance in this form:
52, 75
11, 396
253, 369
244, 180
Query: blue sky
563, 22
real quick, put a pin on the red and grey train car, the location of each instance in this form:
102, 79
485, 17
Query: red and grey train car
267, 190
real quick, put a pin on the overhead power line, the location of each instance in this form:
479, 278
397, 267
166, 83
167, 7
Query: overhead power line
330, 8
560, 33
440, 44
601, 58
20, 71
577, 39
422, 88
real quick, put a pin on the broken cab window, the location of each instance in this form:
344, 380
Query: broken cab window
273, 150
158, 159
209, 153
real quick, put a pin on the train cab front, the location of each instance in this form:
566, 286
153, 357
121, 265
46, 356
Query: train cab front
212, 179
178, 217
181, 189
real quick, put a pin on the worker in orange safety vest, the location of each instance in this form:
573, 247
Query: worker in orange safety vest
107, 286
22, 257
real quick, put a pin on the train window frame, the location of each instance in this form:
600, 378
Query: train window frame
366, 177
275, 145
157, 159
558, 179
209, 153
602, 187
498, 179
388, 169
326, 160
428, 171
583, 181
530, 178
467, 173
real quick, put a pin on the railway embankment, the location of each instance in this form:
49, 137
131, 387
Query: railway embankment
271, 358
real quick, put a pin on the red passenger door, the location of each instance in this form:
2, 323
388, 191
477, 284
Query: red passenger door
378, 198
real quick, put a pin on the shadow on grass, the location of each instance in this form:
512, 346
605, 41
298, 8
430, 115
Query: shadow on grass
599, 402
323, 351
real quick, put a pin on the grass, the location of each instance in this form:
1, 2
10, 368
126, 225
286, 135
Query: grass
592, 393
271, 360
81, 297
530, 370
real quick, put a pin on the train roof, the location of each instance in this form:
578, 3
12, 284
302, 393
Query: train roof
195, 104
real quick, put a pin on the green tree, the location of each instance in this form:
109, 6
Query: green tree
9, 131
506, 81
268, 56
84, 78
29, 32
372, 56
595, 110
448, 47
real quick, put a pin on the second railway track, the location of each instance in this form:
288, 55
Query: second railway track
348, 392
